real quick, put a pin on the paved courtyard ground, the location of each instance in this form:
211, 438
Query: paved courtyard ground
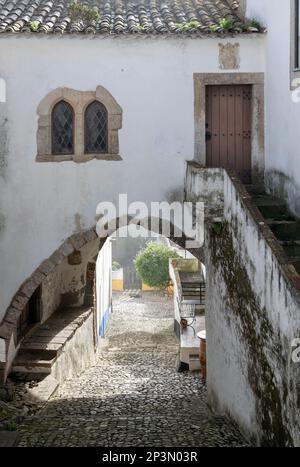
134, 395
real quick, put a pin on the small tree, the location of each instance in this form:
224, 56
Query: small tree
152, 265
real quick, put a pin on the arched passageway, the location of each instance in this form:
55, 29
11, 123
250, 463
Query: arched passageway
63, 280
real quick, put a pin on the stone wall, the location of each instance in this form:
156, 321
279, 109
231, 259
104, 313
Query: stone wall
252, 317
205, 185
78, 354
65, 285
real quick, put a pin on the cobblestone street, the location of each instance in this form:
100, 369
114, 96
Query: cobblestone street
134, 395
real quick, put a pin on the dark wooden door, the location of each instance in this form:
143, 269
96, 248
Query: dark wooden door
228, 128
30, 315
89, 296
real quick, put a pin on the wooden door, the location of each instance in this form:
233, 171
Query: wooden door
89, 296
228, 128
30, 315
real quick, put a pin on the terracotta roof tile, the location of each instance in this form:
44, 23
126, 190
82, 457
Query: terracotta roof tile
143, 17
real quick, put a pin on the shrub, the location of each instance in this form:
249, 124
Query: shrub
152, 265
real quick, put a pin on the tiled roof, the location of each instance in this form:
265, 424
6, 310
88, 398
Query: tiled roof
143, 17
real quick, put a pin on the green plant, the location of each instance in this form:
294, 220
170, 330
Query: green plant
255, 24
226, 24
116, 266
140, 27
34, 25
79, 12
217, 228
152, 264
188, 26
10, 426
213, 27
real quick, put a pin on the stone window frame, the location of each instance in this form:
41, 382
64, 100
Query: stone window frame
294, 71
256, 80
79, 100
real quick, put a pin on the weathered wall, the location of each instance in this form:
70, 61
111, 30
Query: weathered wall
252, 317
282, 114
152, 80
65, 285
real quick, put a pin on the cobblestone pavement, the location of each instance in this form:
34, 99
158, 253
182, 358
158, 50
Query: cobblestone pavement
133, 396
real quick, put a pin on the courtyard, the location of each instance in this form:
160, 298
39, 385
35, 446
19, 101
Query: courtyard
134, 395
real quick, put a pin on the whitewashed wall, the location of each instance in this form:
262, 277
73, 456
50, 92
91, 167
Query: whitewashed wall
103, 286
282, 114
42, 204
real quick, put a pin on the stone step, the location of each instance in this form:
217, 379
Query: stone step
34, 361
292, 248
296, 263
285, 230
272, 208
194, 363
255, 189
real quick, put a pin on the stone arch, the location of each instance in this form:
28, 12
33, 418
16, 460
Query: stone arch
73, 244
79, 100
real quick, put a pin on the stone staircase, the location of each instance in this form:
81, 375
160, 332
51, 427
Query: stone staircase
283, 224
193, 288
41, 349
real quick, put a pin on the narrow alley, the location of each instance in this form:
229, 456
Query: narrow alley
133, 396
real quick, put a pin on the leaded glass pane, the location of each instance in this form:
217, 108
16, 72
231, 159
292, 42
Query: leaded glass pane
62, 129
96, 128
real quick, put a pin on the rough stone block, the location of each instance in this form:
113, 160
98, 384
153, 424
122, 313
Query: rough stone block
90, 235
75, 258
6, 330
37, 277
19, 302
12, 315
28, 288
78, 241
46, 267
57, 258
66, 249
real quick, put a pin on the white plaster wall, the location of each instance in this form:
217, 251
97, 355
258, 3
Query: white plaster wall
103, 283
42, 204
282, 114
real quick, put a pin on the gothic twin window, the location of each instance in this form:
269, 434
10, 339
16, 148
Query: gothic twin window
63, 129
78, 126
